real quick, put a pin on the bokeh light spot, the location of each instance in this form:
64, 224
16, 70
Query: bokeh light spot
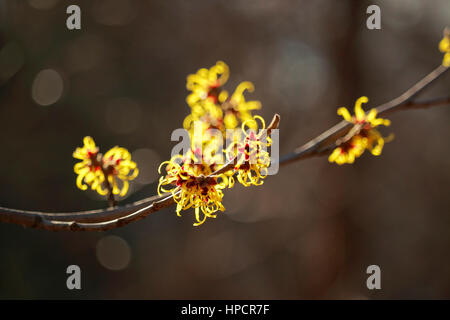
47, 87
113, 253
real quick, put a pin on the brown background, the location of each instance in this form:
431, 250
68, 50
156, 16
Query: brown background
308, 232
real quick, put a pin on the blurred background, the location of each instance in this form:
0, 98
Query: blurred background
308, 232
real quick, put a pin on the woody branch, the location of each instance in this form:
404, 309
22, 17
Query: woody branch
105, 219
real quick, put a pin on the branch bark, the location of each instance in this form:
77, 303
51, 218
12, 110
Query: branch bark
105, 219
322, 144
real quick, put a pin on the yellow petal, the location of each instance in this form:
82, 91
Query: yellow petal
89, 143
444, 45
342, 111
124, 188
372, 115
230, 121
446, 61
80, 183
359, 112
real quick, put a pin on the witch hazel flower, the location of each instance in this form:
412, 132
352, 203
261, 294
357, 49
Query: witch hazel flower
250, 154
210, 103
365, 136
444, 46
192, 185
104, 173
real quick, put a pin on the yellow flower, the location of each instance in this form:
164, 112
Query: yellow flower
252, 158
115, 164
118, 165
366, 137
237, 108
192, 179
206, 83
212, 105
444, 46
208, 113
192, 186
348, 151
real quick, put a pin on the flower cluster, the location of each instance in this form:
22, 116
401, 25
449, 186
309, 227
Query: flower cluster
213, 105
197, 178
365, 137
444, 46
102, 172
193, 185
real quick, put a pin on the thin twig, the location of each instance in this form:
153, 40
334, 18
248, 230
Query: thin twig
99, 220
111, 200
24, 217
326, 140
40, 222
273, 124
105, 219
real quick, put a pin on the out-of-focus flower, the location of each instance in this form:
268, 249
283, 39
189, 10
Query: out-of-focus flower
237, 108
115, 164
348, 151
366, 136
89, 170
208, 113
118, 166
206, 83
214, 106
360, 116
250, 154
192, 185
444, 46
